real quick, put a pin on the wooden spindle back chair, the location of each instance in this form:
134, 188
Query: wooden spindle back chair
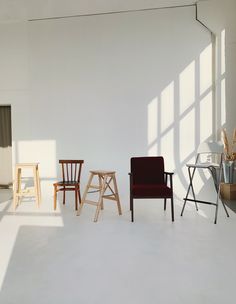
71, 172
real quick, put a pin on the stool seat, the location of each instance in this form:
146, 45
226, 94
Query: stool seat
106, 182
35, 191
102, 172
25, 165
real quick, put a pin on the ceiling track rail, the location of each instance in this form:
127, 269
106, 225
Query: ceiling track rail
112, 12
198, 20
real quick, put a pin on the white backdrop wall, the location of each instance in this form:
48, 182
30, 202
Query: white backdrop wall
109, 87
220, 17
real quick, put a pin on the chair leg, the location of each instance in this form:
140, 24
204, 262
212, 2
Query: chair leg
172, 209
225, 208
216, 213
132, 208
79, 196
76, 198
64, 196
164, 204
55, 197
190, 186
182, 211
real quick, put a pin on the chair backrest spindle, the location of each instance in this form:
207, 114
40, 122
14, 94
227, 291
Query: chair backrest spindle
71, 170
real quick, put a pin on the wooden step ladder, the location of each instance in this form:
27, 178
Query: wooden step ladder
107, 182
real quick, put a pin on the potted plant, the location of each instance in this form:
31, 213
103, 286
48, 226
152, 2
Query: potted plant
229, 156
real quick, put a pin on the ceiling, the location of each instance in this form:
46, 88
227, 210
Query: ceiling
13, 10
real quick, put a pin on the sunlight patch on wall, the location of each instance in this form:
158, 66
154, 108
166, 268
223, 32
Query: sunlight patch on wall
187, 87
41, 151
222, 82
222, 65
182, 117
223, 102
167, 106
206, 117
205, 69
187, 135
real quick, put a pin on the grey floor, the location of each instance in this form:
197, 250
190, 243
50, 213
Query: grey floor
57, 257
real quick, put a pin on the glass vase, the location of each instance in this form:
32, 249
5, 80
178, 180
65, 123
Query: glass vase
228, 171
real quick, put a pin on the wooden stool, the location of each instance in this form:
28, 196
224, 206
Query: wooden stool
105, 179
35, 191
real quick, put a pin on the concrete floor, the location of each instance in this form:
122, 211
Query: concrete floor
57, 257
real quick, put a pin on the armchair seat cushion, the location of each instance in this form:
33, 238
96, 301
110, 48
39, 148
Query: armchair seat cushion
151, 191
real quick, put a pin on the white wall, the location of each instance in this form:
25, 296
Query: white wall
106, 88
220, 17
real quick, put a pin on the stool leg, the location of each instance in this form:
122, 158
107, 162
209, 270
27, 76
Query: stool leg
117, 195
38, 184
15, 192
100, 201
36, 190
55, 197
19, 190
85, 194
100, 186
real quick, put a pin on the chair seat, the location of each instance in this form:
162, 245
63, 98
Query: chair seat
67, 183
152, 190
203, 165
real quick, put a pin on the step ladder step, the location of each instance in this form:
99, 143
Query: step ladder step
94, 187
91, 202
110, 197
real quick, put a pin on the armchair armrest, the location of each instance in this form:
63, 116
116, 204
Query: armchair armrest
170, 174
131, 177
131, 181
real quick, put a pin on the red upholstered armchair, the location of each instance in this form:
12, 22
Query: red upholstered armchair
149, 180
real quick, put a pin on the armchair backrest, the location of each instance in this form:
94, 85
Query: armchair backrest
147, 170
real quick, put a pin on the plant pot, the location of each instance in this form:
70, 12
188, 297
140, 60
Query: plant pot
228, 170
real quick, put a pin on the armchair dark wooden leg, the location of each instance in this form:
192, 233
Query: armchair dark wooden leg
132, 208
165, 204
172, 209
